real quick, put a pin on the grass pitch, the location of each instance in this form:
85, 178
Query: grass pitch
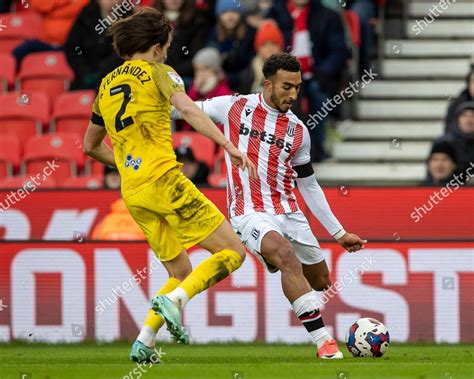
232, 361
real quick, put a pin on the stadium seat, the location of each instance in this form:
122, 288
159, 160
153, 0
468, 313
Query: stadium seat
10, 155
72, 112
61, 148
16, 28
7, 72
88, 182
46, 71
27, 182
202, 147
23, 114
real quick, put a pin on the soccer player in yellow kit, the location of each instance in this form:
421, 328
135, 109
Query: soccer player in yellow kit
133, 107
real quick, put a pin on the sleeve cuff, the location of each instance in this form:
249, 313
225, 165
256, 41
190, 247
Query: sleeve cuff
339, 234
96, 119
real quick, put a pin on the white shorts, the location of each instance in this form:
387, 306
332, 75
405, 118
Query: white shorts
252, 227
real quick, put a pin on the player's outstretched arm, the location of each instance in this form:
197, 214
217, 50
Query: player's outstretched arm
194, 116
95, 147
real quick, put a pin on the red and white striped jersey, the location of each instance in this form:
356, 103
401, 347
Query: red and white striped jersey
274, 142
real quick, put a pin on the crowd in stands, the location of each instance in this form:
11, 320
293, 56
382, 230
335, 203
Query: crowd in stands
218, 48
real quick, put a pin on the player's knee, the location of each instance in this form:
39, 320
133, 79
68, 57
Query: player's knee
323, 283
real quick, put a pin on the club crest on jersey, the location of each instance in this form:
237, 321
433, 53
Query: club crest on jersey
255, 233
131, 162
290, 131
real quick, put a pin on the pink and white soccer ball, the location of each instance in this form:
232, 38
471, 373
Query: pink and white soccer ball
367, 337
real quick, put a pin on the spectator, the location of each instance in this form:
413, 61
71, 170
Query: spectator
269, 40
209, 79
195, 171
58, 17
318, 40
442, 163
191, 31
89, 52
256, 11
233, 38
466, 95
462, 137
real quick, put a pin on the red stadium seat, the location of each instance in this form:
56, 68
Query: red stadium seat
23, 114
16, 28
72, 112
7, 72
202, 147
31, 183
10, 155
62, 149
48, 72
88, 182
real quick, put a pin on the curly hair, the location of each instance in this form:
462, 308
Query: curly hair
282, 61
138, 32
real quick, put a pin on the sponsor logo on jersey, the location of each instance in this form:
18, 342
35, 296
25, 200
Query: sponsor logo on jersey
265, 137
247, 112
131, 162
175, 78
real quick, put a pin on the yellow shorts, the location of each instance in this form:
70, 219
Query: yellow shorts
173, 214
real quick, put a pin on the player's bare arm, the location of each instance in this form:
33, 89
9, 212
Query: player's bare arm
95, 147
192, 114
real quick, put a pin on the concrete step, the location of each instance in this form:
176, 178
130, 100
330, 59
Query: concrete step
426, 68
421, 28
392, 150
344, 175
387, 130
453, 9
402, 110
401, 48
443, 89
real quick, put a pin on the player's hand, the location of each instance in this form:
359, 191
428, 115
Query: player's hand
241, 160
351, 242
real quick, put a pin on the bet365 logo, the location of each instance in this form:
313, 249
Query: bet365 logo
131, 162
265, 137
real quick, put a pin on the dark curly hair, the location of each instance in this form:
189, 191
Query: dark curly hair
137, 33
282, 61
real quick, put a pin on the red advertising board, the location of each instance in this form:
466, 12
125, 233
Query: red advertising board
390, 214
69, 291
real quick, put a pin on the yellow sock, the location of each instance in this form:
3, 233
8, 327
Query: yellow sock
211, 271
153, 320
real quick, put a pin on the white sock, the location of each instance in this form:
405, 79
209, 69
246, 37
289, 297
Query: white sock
147, 336
178, 296
308, 303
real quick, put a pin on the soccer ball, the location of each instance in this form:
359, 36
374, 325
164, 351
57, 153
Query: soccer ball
367, 337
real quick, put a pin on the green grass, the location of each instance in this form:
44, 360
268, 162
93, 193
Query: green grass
233, 361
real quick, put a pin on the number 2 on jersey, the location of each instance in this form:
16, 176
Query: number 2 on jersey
127, 96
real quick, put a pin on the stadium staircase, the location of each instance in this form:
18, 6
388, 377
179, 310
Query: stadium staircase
403, 109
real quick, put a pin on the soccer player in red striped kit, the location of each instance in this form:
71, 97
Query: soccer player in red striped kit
264, 211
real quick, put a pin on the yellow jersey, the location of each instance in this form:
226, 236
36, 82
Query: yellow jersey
133, 104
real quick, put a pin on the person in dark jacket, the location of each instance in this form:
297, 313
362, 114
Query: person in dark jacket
318, 40
194, 170
442, 163
466, 95
462, 137
88, 48
191, 31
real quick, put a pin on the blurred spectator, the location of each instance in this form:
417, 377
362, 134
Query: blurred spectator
466, 95
58, 17
318, 40
88, 48
195, 171
233, 38
256, 11
5, 6
191, 31
111, 178
209, 79
118, 224
462, 137
442, 163
269, 40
